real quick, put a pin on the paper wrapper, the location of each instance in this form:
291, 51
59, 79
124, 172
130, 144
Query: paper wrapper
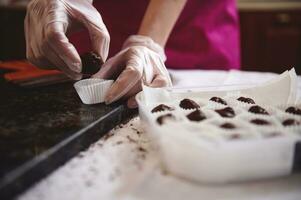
93, 90
206, 153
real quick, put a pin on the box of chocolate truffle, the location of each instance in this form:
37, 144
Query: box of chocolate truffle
225, 134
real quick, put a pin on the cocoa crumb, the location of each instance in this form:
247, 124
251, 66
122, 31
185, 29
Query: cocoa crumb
137, 131
80, 155
99, 144
107, 136
131, 139
141, 149
164, 172
119, 142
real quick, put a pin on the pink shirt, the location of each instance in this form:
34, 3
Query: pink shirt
206, 35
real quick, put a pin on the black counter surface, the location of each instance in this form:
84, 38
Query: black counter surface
41, 128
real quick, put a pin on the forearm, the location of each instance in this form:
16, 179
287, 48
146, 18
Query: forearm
160, 18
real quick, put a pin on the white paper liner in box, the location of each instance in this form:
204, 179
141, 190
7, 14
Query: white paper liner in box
201, 157
281, 90
93, 90
219, 162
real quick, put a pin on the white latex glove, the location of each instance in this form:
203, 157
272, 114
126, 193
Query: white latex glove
140, 61
46, 24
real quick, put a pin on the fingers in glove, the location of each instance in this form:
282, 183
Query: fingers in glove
115, 65
133, 91
132, 103
59, 63
99, 35
111, 69
33, 52
159, 81
124, 83
55, 38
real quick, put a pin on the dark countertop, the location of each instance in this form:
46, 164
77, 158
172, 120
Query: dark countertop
34, 120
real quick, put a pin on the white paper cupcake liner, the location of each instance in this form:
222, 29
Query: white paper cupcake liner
93, 90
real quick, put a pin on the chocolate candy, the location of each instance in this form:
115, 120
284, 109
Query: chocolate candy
161, 119
91, 63
227, 112
196, 115
246, 100
189, 104
293, 110
161, 107
258, 110
290, 122
260, 122
219, 100
228, 126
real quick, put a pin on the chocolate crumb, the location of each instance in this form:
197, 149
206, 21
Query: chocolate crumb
81, 155
131, 139
235, 136
290, 122
162, 118
246, 100
141, 149
227, 112
107, 136
228, 126
138, 132
161, 107
258, 110
164, 172
260, 122
219, 100
189, 104
293, 110
99, 144
196, 115
119, 142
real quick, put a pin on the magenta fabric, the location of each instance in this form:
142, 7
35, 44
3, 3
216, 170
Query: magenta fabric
206, 35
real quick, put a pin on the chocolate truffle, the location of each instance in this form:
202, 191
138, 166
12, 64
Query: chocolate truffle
161, 107
189, 104
91, 63
196, 115
290, 122
226, 112
258, 110
219, 100
293, 110
161, 119
228, 126
246, 100
261, 122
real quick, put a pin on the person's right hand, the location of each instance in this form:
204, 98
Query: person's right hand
46, 24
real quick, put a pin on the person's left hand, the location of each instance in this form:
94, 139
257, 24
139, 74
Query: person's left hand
140, 61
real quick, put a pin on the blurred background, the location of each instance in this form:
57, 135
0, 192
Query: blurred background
270, 33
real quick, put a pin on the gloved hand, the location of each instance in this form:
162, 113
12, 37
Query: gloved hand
46, 24
140, 61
